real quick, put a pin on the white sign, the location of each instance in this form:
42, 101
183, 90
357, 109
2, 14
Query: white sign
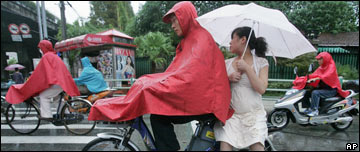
25, 36
12, 55
24, 28
36, 62
14, 29
16, 38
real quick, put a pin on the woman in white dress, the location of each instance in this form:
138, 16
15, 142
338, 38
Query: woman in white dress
248, 80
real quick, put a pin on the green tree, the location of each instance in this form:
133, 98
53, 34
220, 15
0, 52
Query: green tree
302, 62
156, 46
111, 14
227, 54
347, 72
125, 14
77, 30
12, 61
316, 17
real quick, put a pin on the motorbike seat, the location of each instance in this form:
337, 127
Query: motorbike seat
328, 102
333, 99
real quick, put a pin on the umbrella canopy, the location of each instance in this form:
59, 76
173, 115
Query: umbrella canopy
283, 38
13, 66
89, 40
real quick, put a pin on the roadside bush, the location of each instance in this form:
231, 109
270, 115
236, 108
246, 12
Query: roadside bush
347, 72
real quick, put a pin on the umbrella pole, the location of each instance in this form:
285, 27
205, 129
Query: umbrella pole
247, 43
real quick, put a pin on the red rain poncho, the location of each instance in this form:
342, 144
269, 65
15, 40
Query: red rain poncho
50, 70
328, 74
195, 83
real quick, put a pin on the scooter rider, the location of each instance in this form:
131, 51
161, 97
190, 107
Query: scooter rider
326, 79
91, 77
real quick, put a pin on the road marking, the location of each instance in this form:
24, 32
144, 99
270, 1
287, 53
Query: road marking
51, 126
46, 139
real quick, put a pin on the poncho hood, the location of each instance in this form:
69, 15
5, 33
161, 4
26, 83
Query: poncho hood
186, 13
46, 47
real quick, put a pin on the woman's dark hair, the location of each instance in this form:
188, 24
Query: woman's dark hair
131, 63
259, 44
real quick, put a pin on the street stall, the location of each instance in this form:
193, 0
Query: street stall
111, 52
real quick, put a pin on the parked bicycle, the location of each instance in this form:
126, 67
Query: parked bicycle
202, 140
23, 118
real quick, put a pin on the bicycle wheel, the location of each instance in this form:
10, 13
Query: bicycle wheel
4, 106
3, 114
23, 117
112, 144
75, 116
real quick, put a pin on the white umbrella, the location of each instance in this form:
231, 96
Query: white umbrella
282, 37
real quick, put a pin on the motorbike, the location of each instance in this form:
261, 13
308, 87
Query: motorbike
336, 111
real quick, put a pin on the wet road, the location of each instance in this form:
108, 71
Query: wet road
313, 138
292, 138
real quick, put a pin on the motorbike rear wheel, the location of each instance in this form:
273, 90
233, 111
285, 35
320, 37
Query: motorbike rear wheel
279, 118
342, 125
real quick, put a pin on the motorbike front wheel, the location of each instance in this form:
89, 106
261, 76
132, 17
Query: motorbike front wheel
279, 118
342, 125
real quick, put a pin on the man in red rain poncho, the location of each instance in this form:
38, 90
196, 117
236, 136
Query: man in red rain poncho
326, 78
48, 80
194, 86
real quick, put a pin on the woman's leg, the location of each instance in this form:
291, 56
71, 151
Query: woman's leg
257, 147
224, 146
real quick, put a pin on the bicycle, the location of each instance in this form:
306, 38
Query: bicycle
202, 140
23, 118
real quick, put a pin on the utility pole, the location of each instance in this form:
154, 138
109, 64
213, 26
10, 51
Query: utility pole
63, 20
64, 36
39, 20
44, 19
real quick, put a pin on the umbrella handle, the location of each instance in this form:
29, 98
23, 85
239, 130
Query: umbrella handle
247, 43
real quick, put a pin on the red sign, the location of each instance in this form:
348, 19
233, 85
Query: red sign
14, 29
24, 28
124, 52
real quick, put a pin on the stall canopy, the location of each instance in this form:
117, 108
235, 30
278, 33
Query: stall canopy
102, 38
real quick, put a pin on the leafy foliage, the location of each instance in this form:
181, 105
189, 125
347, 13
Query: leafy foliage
77, 30
315, 17
347, 72
227, 54
12, 61
302, 62
155, 45
111, 14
